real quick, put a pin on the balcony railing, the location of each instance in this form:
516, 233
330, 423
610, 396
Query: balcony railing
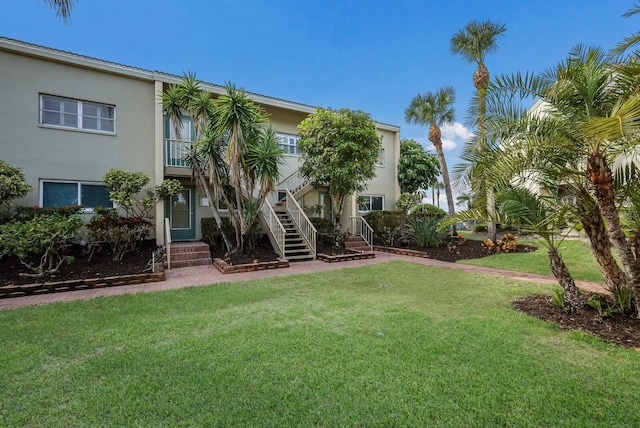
177, 153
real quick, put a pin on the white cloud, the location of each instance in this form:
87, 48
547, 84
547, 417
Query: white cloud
457, 131
453, 136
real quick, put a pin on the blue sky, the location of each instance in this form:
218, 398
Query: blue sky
371, 55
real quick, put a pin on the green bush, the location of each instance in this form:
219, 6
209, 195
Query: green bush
480, 228
12, 184
324, 226
23, 213
407, 201
388, 226
44, 236
426, 232
211, 234
122, 234
428, 210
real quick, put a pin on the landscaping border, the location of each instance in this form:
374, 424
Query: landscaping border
360, 255
401, 251
9, 291
226, 268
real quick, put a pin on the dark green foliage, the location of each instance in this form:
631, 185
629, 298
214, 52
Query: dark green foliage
211, 233
426, 232
122, 234
428, 210
43, 236
417, 168
388, 227
480, 228
27, 213
322, 225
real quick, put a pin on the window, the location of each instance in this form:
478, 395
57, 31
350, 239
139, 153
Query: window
76, 114
65, 193
370, 203
380, 161
289, 143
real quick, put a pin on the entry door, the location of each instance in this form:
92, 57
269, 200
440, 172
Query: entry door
327, 208
182, 214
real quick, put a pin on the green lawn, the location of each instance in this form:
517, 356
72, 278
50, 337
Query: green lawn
395, 344
576, 254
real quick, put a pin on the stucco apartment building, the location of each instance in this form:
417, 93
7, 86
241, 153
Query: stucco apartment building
66, 119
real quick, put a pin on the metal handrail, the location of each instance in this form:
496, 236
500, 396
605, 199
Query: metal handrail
292, 182
276, 229
360, 227
167, 241
177, 152
306, 228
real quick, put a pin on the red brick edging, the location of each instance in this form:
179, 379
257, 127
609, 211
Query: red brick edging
401, 251
9, 291
346, 257
225, 267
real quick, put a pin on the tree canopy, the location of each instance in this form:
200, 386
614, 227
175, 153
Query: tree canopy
12, 183
339, 149
417, 167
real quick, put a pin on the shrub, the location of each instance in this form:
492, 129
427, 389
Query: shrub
480, 228
428, 210
23, 213
388, 226
426, 231
324, 226
12, 183
407, 201
122, 234
507, 243
211, 234
44, 236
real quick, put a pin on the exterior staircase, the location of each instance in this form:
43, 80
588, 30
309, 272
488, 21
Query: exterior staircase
295, 247
356, 243
185, 254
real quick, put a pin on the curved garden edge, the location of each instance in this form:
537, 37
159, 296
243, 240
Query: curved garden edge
401, 251
356, 255
9, 291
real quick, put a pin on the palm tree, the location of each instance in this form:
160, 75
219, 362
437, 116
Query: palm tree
587, 115
439, 186
62, 7
436, 110
473, 43
188, 98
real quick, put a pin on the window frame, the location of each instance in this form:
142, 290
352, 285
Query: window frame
79, 185
287, 146
370, 203
78, 114
381, 157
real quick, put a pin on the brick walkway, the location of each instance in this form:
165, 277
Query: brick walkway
204, 275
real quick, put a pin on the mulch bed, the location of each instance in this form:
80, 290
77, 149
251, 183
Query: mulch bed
619, 329
262, 252
101, 265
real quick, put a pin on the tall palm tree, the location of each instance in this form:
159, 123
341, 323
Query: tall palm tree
62, 7
435, 110
473, 43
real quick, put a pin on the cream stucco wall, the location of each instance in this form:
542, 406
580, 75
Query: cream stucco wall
62, 154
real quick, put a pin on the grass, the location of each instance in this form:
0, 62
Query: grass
576, 254
395, 344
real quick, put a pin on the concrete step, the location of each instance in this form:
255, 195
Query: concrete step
299, 258
192, 262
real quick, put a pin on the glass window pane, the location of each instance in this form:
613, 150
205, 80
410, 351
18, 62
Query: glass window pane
95, 195
59, 194
89, 122
376, 203
181, 210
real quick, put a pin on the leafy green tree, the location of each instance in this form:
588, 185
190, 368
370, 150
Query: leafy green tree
406, 201
473, 43
339, 149
417, 168
12, 183
435, 110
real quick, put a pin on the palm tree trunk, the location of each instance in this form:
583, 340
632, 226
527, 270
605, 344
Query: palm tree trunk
438, 197
593, 224
447, 183
572, 298
433, 195
601, 178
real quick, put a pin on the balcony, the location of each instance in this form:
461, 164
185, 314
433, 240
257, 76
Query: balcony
176, 153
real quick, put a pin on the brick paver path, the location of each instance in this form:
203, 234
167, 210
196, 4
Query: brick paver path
204, 275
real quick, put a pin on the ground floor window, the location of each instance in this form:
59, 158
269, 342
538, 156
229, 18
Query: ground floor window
370, 203
64, 193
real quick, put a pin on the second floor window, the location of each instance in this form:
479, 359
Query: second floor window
289, 143
76, 114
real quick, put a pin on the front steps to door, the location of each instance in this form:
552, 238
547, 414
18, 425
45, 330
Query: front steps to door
185, 254
356, 243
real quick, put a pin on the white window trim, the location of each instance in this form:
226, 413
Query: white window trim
79, 184
370, 196
79, 115
296, 151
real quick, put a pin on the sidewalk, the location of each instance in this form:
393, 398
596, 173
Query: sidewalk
205, 275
